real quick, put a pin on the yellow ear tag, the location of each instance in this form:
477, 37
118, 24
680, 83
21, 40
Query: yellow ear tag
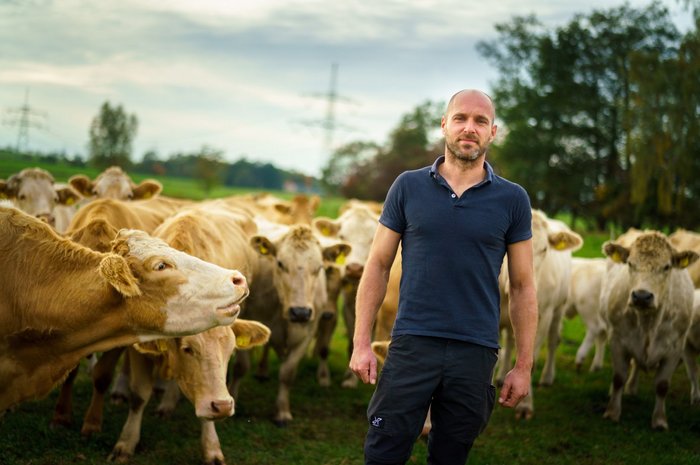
264, 250
616, 257
340, 259
561, 245
70, 201
242, 341
162, 346
326, 231
147, 195
684, 262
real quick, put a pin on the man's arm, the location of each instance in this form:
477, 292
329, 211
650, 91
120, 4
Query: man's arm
523, 317
370, 295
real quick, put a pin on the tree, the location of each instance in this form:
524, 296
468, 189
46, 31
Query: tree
209, 168
111, 134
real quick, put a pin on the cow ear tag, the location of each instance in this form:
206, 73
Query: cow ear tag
616, 257
242, 341
340, 259
264, 250
326, 231
147, 195
684, 262
561, 245
70, 201
162, 346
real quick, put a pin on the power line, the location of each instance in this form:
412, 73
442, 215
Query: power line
25, 117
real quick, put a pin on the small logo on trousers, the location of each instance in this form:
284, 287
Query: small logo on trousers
377, 422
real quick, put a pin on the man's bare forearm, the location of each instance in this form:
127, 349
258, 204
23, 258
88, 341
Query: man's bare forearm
523, 317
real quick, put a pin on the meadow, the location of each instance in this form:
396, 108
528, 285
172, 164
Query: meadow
329, 423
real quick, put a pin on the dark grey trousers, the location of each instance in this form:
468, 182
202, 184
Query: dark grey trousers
451, 377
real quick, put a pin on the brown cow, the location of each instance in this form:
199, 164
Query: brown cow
198, 363
34, 191
60, 301
114, 183
647, 300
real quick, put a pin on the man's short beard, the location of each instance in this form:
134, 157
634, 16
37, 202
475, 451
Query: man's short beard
468, 157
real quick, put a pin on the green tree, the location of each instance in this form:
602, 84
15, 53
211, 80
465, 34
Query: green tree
209, 168
112, 133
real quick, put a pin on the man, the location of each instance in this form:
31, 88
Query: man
455, 220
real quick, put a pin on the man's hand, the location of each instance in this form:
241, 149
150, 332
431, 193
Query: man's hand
364, 363
516, 385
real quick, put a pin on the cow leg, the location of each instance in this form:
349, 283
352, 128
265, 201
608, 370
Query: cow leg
588, 341
263, 373
141, 386
326, 327
211, 447
620, 366
120, 389
102, 375
691, 365
349, 378
632, 384
599, 356
63, 411
171, 396
505, 358
662, 383
241, 365
553, 340
288, 370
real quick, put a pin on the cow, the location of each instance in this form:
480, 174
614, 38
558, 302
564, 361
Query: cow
114, 183
299, 210
692, 350
647, 300
34, 191
683, 239
198, 364
356, 226
95, 226
587, 276
553, 243
60, 301
287, 296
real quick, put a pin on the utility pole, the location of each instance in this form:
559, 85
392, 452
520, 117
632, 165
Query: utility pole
25, 118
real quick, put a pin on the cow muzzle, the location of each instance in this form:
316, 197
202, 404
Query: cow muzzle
47, 218
354, 270
218, 409
642, 299
299, 314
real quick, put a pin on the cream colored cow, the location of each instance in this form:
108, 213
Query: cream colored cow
587, 276
692, 350
34, 191
287, 296
60, 301
647, 300
114, 183
198, 363
682, 239
552, 243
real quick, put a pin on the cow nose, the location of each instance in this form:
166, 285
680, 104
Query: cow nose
47, 218
354, 270
299, 314
239, 280
222, 408
642, 298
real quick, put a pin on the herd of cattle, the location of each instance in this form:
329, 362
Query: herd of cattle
173, 287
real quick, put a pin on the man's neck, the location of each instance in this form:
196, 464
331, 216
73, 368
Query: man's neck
460, 174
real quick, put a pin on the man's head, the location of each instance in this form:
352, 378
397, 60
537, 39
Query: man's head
468, 125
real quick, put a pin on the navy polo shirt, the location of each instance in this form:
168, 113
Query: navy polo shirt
452, 251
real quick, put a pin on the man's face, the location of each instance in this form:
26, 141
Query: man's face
468, 126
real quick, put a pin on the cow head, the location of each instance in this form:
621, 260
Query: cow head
650, 261
187, 294
34, 192
551, 236
114, 183
298, 275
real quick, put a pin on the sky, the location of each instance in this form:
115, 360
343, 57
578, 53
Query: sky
251, 78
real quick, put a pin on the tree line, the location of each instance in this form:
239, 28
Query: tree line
599, 118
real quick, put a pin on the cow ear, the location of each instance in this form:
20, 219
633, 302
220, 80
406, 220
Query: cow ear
157, 347
82, 184
336, 253
314, 203
565, 240
67, 196
616, 252
116, 271
146, 189
380, 349
263, 245
250, 333
684, 258
283, 208
326, 226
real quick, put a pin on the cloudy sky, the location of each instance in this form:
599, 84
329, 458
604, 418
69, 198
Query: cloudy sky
248, 77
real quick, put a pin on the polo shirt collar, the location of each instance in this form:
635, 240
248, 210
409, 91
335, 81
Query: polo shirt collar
441, 159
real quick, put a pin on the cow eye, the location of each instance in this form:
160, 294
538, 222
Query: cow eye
22, 197
130, 196
188, 350
667, 267
160, 266
281, 266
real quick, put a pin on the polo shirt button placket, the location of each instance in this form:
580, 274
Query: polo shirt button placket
453, 195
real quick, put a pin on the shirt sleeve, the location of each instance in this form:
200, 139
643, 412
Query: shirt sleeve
521, 225
393, 212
